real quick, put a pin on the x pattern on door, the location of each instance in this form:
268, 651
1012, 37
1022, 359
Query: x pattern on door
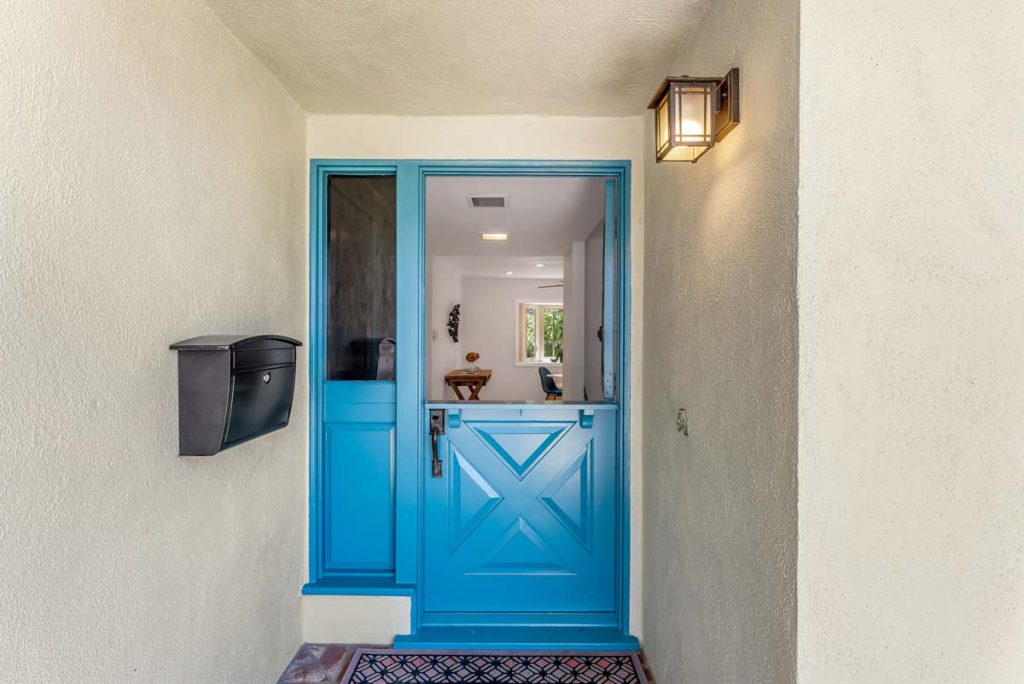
522, 506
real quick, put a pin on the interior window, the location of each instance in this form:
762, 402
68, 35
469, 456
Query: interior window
540, 332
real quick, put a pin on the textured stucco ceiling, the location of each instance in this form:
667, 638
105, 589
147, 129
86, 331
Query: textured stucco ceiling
443, 57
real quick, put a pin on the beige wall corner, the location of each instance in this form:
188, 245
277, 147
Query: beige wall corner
911, 353
151, 190
373, 620
720, 330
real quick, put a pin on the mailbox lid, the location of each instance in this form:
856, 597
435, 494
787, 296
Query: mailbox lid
236, 342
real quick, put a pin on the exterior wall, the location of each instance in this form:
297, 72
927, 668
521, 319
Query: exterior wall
501, 137
720, 335
151, 190
911, 363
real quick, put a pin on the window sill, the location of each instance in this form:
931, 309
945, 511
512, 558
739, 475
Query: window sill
358, 586
538, 364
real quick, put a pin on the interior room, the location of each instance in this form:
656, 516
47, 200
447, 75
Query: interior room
514, 278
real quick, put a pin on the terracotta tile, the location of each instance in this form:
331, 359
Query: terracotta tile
317, 663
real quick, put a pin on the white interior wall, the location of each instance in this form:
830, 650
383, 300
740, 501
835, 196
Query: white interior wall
503, 137
593, 285
574, 294
443, 353
911, 362
721, 341
489, 328
151, 190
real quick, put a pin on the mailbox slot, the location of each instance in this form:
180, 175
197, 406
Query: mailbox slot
262, 358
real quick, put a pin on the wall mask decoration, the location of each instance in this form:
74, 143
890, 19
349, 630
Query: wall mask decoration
453, 323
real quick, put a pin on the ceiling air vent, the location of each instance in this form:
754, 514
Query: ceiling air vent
486, 201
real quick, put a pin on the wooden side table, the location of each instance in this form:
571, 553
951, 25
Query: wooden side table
473, 380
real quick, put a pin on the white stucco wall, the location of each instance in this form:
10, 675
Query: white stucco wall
151, 189
355, 619
911, 353
502, 137
720, 339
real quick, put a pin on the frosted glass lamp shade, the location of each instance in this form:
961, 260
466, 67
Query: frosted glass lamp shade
692, 114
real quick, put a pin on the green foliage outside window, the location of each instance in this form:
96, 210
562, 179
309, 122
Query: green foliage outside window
553, 333
543, 344
531, 333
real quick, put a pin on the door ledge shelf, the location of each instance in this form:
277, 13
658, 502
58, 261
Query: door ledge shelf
358, 586
500, 638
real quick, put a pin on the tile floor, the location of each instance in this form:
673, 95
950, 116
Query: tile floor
317, 663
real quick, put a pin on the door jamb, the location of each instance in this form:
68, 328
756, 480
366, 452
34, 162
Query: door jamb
411, 178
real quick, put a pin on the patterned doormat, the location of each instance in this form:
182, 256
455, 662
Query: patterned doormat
387, 666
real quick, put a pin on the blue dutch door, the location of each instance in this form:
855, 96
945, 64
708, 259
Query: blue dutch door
466, 422
523, 518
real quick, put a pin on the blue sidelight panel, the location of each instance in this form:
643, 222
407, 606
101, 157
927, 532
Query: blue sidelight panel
359, 477
353, 421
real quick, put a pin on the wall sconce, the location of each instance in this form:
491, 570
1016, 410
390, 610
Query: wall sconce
692, 114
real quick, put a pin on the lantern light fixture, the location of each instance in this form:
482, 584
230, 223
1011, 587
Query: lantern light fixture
692, 114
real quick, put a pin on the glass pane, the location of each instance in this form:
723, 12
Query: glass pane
531, 333
361, 278
694, 119
553, 334
661, 121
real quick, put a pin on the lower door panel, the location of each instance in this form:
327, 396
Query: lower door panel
522, 523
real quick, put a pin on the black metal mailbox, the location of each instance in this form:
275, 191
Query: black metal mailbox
232, 388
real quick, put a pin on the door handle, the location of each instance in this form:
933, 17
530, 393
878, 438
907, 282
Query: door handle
436, 430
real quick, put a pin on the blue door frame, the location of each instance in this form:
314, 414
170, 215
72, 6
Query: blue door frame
409, 396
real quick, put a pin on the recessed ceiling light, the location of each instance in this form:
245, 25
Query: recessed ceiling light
538, 265
494, 236
509, 273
